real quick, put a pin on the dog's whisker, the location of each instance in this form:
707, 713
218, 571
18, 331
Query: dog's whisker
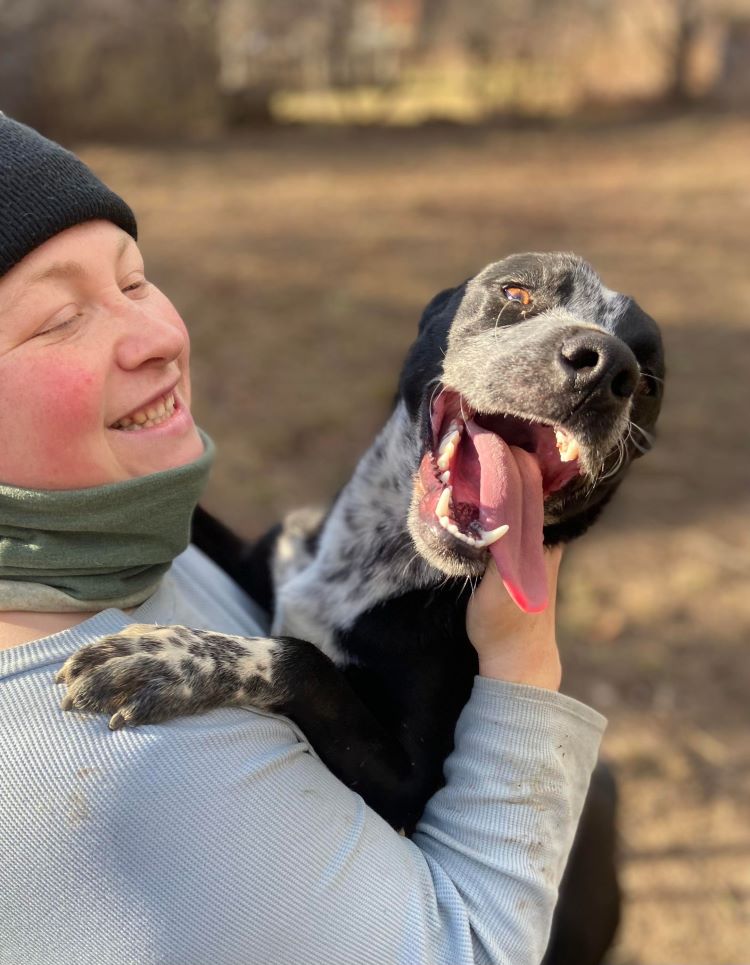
444, 582
415, 557
646, 435
498, 317
637, 445
602, 472
437, 386
619, 462
630, 439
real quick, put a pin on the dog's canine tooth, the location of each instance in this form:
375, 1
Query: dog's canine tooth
571, 452
450, 439
493, 535
444, 503
447, 451
445, 478
566, 446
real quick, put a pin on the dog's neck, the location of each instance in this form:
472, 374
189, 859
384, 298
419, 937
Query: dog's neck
364, 554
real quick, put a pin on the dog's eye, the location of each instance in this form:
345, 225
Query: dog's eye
515, 293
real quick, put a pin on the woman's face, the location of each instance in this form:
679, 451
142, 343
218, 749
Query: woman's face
89, 349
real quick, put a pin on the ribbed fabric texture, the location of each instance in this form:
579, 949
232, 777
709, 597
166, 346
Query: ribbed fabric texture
45, 189
105, 546
222, 839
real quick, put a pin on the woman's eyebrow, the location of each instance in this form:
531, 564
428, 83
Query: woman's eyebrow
59, 269
72, 269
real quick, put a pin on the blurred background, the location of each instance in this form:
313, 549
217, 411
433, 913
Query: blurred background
308, 174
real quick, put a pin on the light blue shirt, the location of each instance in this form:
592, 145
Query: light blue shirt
223, 840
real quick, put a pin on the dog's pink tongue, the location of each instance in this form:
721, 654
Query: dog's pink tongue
510, 491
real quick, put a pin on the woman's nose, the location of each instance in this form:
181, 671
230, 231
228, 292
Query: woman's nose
150, 337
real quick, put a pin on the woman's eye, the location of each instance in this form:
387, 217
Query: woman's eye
59, 326
136, 286
515, 293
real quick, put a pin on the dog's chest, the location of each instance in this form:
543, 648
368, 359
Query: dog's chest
364, 554
349, 577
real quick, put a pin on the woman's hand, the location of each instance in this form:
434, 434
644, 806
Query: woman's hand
512, 645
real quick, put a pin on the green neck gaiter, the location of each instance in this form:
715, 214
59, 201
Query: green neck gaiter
89, 549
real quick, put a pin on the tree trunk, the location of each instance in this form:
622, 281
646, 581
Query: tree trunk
688, 24
430, 22
732, 87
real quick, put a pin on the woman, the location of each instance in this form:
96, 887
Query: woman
221, 838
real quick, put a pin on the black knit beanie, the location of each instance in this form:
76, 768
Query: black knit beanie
45, 189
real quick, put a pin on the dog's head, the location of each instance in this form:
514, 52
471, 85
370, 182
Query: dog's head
532, 387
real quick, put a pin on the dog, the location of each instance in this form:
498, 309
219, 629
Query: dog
529, 390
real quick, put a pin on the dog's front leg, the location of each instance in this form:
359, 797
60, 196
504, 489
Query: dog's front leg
147, 674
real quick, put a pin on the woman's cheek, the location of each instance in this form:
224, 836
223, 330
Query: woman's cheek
55, 440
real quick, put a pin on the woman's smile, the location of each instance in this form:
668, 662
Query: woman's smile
165, 415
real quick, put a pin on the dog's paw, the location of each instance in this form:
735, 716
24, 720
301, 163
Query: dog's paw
145, 674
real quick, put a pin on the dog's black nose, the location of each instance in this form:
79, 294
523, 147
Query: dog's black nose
595, 360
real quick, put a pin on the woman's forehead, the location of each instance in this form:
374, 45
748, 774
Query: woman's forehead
76, 251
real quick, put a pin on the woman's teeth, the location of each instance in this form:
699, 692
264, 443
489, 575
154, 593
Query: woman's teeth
154, 414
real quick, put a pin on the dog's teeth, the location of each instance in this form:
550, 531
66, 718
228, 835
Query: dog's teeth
471, 540
567, 446
478, 542
492, 536
445, 478
447, 450
483, 539
449, 442
444, 503
571, 453
450, 439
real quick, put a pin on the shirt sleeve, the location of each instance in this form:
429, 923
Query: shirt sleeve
496, 838
222, 839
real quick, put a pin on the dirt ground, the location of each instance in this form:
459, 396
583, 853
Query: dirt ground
301, 258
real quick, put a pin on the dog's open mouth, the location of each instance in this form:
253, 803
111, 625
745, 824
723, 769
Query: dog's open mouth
485, 481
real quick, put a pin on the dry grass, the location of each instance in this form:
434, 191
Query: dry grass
301, 260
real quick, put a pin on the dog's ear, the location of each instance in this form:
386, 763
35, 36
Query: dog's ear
437, 305
424, 360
